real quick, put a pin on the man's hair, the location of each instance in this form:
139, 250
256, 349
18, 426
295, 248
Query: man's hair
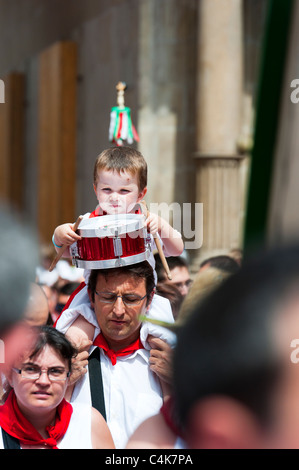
68, 288
223, 262
122, 159
226, 347
171, 292
141, 270
204, 283
172, 261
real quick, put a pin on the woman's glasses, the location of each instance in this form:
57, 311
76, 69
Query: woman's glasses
33, 372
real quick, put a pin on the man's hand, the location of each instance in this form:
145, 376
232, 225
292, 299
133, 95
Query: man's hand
161, 358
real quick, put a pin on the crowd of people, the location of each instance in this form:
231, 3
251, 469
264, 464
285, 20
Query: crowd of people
130, 357
55, 372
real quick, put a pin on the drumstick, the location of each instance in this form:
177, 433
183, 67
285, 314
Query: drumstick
159, 247
61, 250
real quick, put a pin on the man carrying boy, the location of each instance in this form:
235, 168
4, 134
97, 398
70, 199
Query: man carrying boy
130, 391
120, 179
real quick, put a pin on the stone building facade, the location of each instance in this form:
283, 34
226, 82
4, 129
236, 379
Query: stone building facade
191, 69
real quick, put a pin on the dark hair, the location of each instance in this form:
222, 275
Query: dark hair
226, 346
122, 159
172, 293
224, 262
172, 261
68, 288
141, 270
48, 335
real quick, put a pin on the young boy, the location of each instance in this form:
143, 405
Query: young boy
120, 182
120, 179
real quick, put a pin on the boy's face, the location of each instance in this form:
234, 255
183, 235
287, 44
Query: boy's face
117, 193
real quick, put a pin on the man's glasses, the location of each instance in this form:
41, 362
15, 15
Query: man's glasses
128, 299
33, 372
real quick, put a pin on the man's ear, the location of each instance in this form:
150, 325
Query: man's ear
220, 422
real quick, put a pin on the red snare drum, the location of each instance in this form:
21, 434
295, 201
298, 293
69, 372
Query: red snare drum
110, 241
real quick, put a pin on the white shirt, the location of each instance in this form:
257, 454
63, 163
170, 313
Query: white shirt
132, 393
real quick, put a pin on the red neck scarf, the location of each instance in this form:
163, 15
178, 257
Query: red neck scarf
97, 212
102, 343
15, 423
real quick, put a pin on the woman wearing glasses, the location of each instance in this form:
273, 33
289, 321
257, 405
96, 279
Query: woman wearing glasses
36, 414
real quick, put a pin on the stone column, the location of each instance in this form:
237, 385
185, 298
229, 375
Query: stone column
219, 171
167, 51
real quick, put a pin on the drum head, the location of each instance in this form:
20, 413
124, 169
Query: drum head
111, 225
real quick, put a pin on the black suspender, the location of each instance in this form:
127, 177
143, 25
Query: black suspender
9, 441
96, 382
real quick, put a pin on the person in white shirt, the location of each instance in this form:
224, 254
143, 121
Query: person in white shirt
130, 390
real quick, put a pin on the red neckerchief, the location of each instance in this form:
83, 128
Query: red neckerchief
102, 343
96, 213
16, 425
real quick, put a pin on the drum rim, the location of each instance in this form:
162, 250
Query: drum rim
112, 263
135, 223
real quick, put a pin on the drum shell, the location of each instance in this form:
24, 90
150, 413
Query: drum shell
100, 252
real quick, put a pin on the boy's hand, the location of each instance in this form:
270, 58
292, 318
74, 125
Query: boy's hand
65, 235
153, 223
172, 240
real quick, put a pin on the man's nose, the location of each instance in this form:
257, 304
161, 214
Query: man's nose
119, 307
184, 289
